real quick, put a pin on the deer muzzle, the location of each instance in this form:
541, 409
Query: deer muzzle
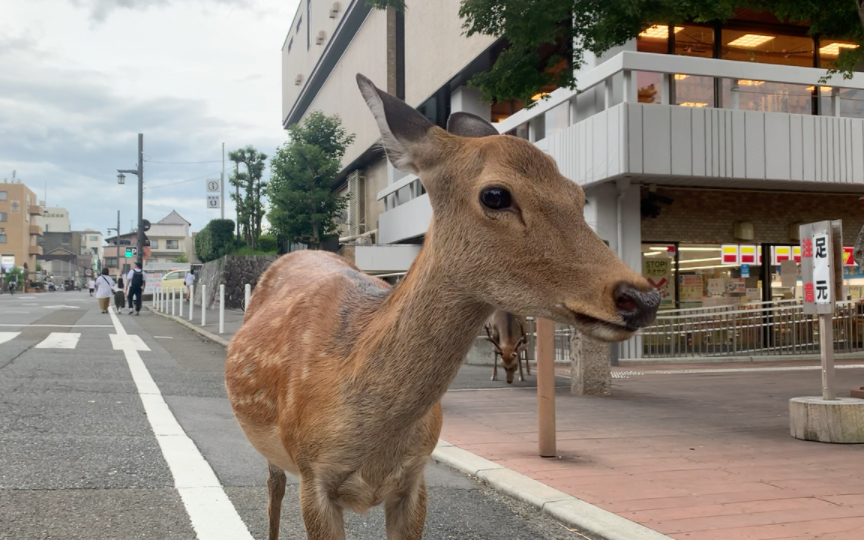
637, 308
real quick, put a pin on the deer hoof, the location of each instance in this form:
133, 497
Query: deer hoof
494, 378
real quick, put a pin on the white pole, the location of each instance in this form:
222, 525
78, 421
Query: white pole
203, 304
222, 308
154, 296
164, 298
181, 303
173, 299
247, 292
191, 301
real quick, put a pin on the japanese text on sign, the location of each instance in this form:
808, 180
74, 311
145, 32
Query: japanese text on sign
820, 288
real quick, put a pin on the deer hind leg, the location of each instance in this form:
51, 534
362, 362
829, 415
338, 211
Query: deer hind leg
276, 489
527, 363
405, 512
521, 375
321, 516
495, 367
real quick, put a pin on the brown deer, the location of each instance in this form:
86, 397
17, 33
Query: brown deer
337, 378
509, 342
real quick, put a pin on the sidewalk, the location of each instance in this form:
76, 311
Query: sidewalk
695, 452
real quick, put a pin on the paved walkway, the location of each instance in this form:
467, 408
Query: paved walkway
696, 452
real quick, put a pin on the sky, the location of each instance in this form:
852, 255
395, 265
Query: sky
79, 79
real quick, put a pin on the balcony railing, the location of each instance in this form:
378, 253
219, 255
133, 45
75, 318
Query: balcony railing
35, 210
36, 230
35, 250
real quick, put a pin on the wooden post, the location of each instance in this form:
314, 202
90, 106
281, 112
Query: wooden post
826, 344
546, 387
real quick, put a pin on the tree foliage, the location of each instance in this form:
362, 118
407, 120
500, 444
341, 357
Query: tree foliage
16, 274
182, 258
598, 25
303, 206
250, 208
215, 240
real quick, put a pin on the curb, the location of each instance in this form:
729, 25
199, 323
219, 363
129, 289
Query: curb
210, 336
565, 508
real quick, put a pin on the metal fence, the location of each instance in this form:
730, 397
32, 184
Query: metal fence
758, 329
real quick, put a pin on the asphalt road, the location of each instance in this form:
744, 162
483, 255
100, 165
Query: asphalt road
80, 459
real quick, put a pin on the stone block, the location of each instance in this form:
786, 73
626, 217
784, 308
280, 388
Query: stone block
835, 421
590, 366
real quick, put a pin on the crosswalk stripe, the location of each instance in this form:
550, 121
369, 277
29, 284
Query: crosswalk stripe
8, 336
59, 340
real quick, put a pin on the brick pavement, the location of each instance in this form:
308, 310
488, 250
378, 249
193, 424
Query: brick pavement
694, 456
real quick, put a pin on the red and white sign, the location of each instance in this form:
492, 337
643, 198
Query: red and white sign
848, 259
729, 254
780, 254
749, 254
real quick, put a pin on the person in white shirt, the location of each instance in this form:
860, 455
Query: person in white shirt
104, 289
190, 279
90, 285
135, 284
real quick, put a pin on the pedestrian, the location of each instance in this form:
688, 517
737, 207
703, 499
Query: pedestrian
104, 289
190, 279
119, 295
91, 285
135, 283
12, 286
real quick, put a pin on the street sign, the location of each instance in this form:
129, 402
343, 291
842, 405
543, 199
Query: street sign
88, 272
131, 251
214, 202
145, 225
822, 265
7, 262
213, 186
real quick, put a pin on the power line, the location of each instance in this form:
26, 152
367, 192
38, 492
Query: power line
182, 181
185, 162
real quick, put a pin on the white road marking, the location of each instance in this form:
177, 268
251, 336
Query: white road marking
163, 337
128, 341
8, 336
59, 340
14, 311
61, 307
58, 325
211, 512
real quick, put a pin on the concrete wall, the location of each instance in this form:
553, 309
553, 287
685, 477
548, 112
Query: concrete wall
232, 271
435, 48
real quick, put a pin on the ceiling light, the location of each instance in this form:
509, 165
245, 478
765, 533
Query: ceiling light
693, 104
748, 82
750, 40
822, 88
709, 259
680, 76
687, 248
658, 31
726, 266
834, 48
537, 97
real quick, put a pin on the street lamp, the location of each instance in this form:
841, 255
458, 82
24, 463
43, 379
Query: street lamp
121, 179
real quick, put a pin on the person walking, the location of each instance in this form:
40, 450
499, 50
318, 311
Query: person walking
190, 279
104, 289
135, 283
12, 286
119, 296
91, 285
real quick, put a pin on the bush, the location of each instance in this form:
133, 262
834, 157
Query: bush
215, 240
267, 243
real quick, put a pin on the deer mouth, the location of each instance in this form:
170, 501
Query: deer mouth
602, 329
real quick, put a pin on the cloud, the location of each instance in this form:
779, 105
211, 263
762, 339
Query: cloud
101, 9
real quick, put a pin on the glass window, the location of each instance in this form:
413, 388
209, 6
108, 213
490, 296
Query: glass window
2, 216
557, 118
3, 195
768, 96
766, 47
2, 238
503, 109
94, 238
171, 244
154, 244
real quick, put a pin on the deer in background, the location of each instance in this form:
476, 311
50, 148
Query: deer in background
509, 342
337, 377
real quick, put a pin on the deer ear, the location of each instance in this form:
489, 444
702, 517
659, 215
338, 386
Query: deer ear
469, 125
403, 129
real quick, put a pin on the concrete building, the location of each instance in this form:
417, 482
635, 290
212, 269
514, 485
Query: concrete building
692, 142
55, 219
67, 255
169, 238
19, 231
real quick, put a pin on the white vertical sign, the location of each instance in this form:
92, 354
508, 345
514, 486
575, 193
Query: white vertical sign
821, 269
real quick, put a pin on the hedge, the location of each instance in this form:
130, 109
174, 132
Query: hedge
215, 240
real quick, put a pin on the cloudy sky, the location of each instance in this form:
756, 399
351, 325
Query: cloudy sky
79, 79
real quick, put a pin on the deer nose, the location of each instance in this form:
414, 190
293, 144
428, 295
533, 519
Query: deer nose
636, 307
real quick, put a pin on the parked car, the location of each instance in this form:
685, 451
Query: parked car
175, 279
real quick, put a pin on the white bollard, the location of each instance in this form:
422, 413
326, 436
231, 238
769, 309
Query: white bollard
191, 302
173, 299
163, 299
247, 293
154, 296
182, 295
203, 305
222, 308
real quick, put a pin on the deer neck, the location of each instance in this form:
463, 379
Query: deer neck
420, 338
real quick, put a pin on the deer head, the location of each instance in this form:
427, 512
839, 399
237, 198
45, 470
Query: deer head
508, 228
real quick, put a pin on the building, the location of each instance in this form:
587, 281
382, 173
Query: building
169, 239
68, 255
55, 219
692, 142
19, 231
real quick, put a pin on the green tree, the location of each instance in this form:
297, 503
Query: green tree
598, 25
250, 208
215, 239
17, 274
303, 206
182, 258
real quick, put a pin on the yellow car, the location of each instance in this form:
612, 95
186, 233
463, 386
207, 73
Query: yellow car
175, 279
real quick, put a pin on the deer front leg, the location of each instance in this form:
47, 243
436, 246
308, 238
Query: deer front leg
405, 512
322, 518
527, 364
521, 375
495, 367
276, 489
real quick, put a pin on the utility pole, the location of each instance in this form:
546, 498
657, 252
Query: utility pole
237, 202
223, 181
141, 200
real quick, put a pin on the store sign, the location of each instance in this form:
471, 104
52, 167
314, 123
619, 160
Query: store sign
729, 254
7, 262
734, 286
780, 254
690, 288
822, 265
796, 254
749, 254
658, 272
848, 259
745, 270
716, 288
753, 294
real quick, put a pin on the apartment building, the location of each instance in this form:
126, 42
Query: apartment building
19, 232
169, 239
55, 219
700, 146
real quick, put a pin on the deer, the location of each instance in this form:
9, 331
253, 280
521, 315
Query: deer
509, 342
336, 377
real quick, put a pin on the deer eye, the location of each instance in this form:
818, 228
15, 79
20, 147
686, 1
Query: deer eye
495, 198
